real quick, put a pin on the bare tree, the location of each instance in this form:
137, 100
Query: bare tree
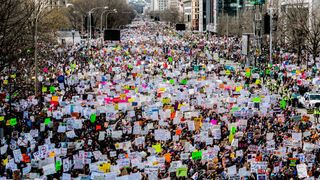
171, 15
82, 7
233, 25
154, 14
294, 22
15, 29
313, 34
52, 21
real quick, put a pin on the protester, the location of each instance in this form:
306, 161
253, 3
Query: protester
160, 104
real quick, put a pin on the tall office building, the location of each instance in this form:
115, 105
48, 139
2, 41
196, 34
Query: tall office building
187, 13
195, 15
163, 5
198, 14
154, 6
211, 15
159, 5
174, 4
58, 2
213, 9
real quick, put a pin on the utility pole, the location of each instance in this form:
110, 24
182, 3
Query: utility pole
227, 24
258, 28
271, 29
238, 17
215, 22
238, 4
90, 16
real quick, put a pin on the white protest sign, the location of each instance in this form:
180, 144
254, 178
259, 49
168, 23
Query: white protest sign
17, 155
27, 169
243, 172
22, 142
49, 169
297, 136
232, 170
191, 125
116, 134
162, 135
101, 135
302, 170
66, 176
3, 149
185, 156
66, 165
71, 134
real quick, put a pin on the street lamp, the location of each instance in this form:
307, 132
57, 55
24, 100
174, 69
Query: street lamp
101, 28
72, 31
90, 12
106, 11
113, 11
121, 26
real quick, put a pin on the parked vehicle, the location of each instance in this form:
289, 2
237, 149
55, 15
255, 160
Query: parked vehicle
310, 100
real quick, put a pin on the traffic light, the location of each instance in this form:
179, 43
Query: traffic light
266, 23
93, 23
85, 23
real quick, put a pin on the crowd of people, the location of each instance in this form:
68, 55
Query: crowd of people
159, 104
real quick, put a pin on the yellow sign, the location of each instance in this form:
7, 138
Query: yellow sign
5, 161
157, 148
130, 100
238, 88
123, 96
52, 154
166, 100
162, 89
231, 137
104, 167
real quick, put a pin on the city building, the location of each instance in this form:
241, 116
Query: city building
163, 5
198, 14
154, 6
312, 6
187, 13
174, 4
138, 5
211, 15
146, 9
62, 3
195, 15
214, 9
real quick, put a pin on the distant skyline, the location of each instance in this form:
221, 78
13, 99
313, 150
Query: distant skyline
137, 0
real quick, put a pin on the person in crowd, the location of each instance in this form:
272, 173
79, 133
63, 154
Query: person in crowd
156, 105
